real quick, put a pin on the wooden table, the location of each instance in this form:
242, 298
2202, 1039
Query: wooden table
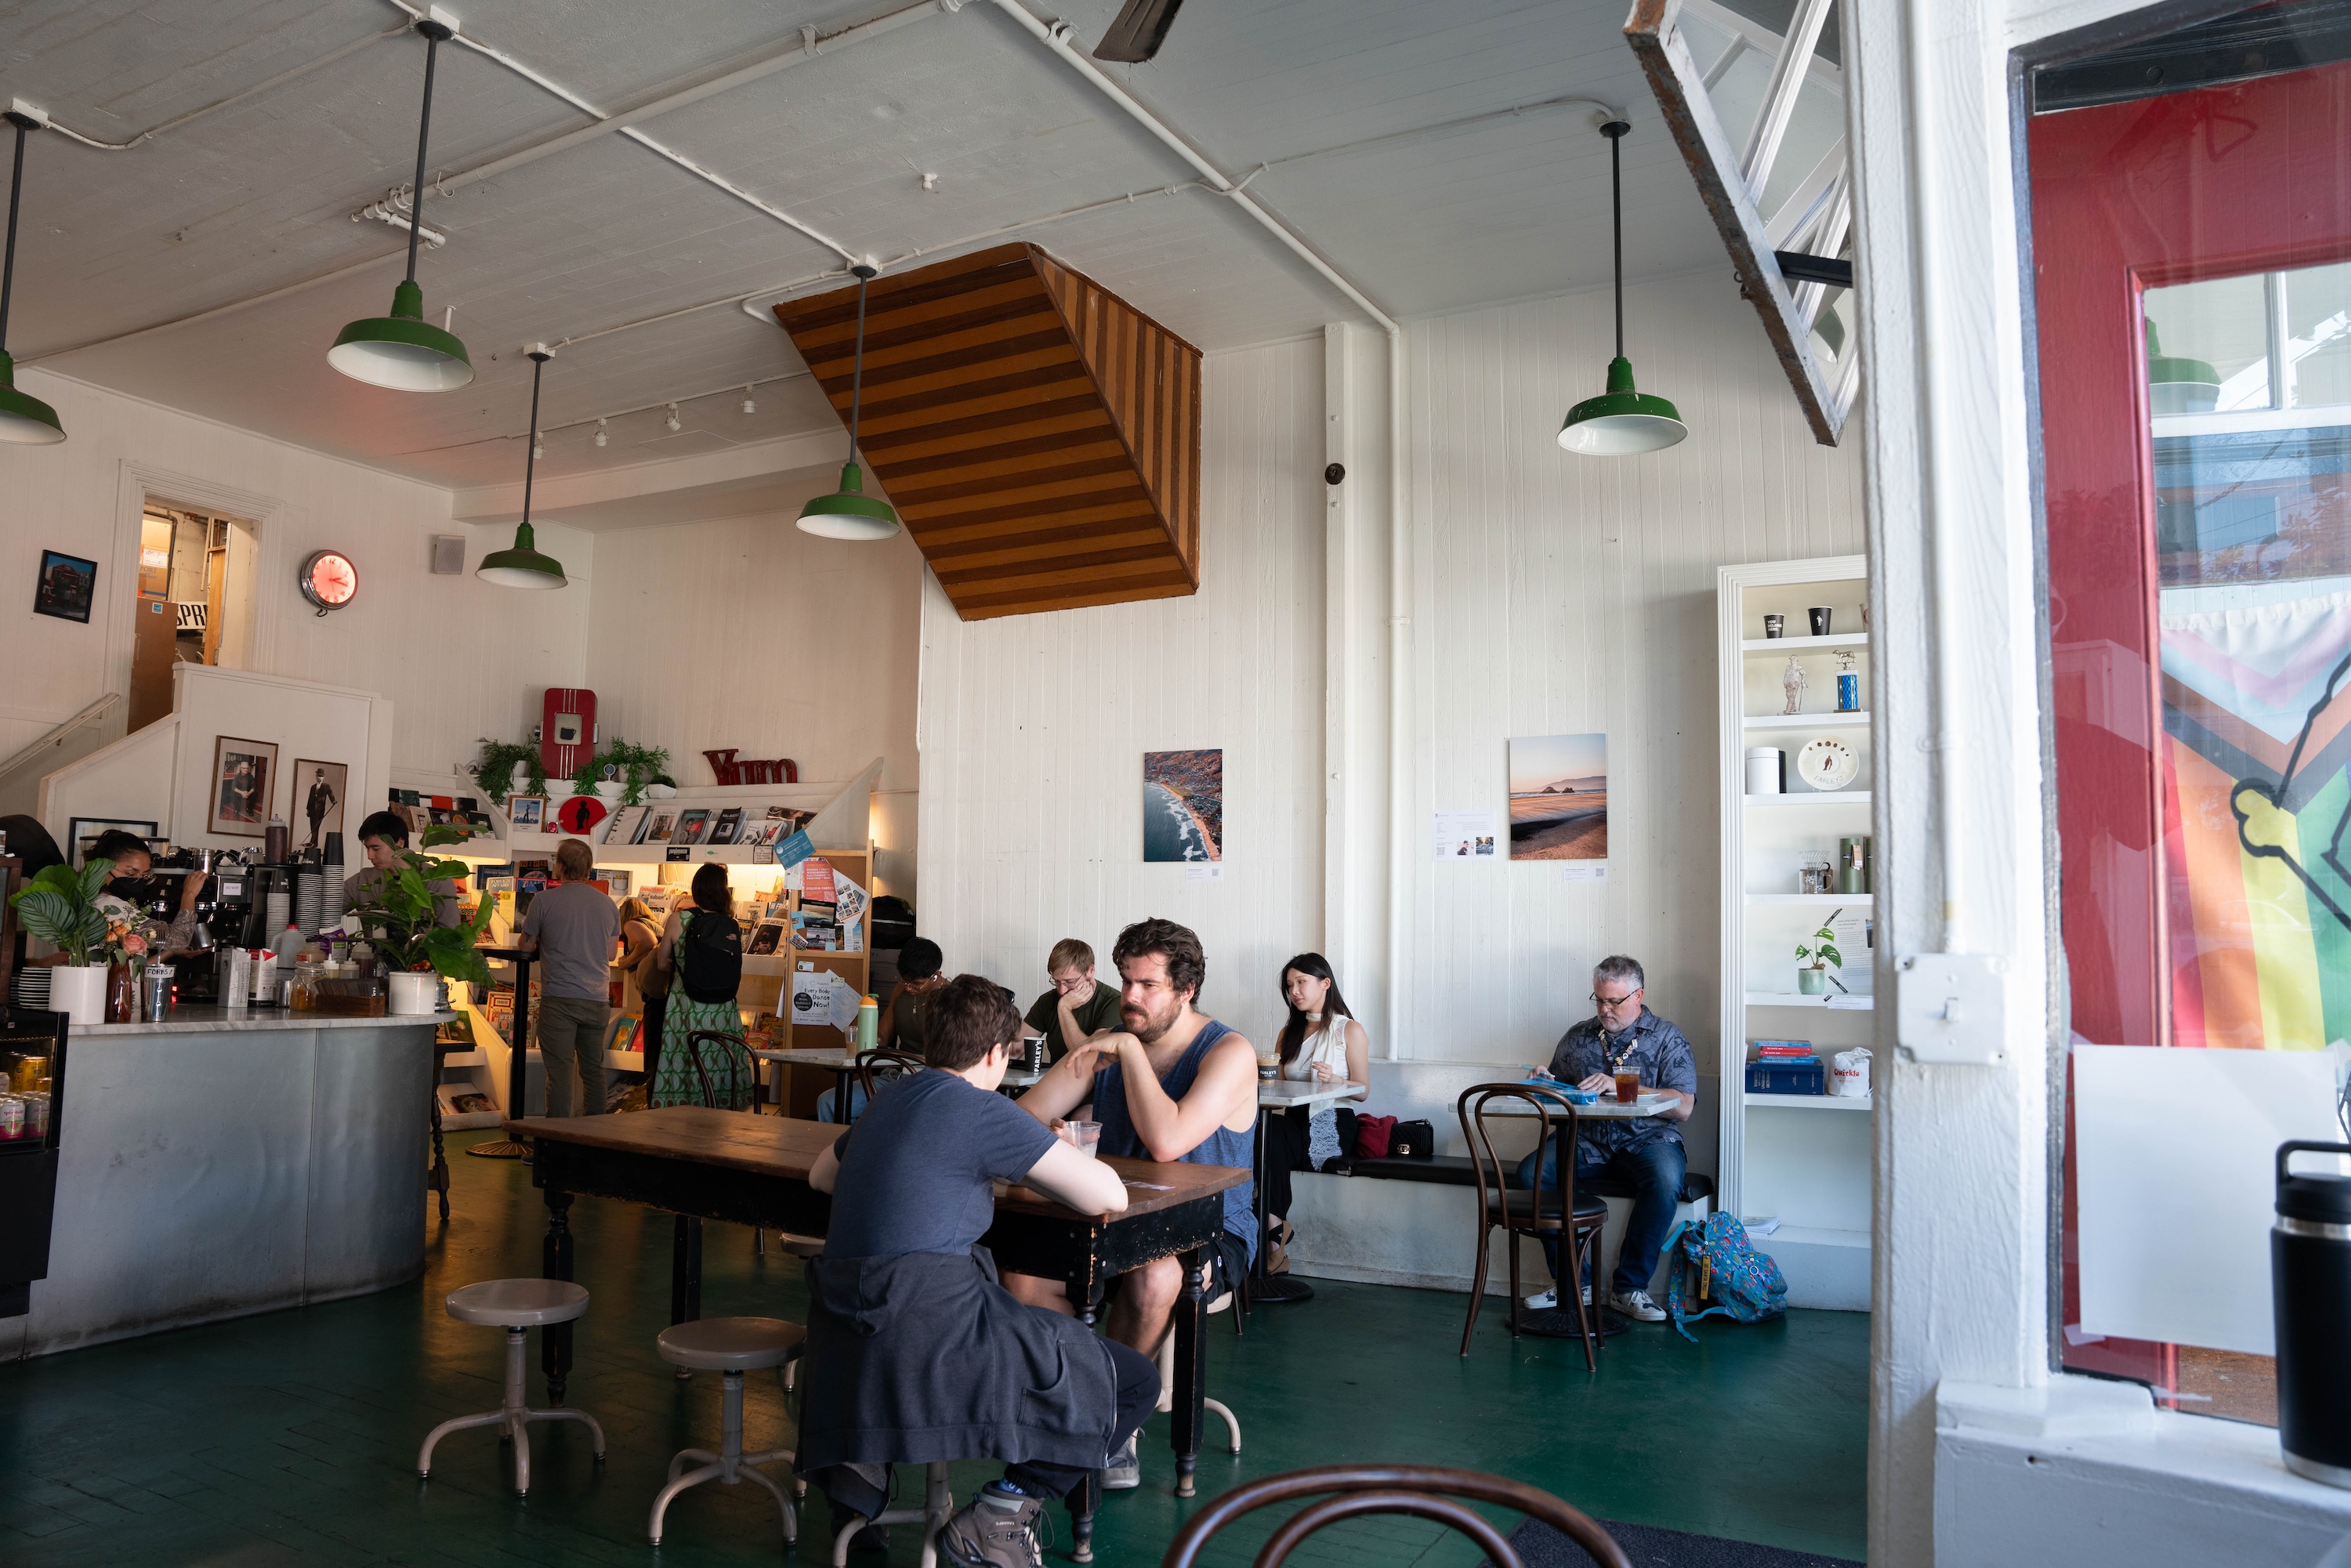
1276, 1096
753, 1170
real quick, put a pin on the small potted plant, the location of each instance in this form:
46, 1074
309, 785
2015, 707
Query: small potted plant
508, 767
1812, 979
61, 907
398, 916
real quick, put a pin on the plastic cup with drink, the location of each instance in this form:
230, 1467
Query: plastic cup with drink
1084, 1136
1629, 1086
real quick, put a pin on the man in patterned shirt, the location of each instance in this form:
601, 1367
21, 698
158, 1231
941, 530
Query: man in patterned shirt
1644, 1151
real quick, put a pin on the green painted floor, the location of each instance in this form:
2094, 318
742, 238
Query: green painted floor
291, 1437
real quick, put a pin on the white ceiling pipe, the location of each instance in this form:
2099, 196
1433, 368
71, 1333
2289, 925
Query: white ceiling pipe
238, 97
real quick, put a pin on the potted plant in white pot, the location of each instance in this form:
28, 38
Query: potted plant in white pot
61, 907
508, 767
398, 916
1812, 979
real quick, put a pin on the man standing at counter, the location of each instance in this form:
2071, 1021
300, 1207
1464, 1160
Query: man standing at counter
384, 837
575, 930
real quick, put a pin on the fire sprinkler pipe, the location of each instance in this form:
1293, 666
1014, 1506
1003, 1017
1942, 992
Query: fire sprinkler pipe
1058, 36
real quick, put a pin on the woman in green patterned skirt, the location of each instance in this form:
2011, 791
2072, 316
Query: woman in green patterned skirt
701, 947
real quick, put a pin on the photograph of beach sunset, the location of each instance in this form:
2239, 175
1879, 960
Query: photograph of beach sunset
1184, 805
1559, 798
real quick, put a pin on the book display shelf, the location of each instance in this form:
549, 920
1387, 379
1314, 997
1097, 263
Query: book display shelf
1800, 1159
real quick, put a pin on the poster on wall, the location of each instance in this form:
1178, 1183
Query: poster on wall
1184, 806
1559, 798
319, 791
244, 773
65, 587
1462, 835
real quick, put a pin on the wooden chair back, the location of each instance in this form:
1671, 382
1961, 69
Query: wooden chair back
877, 1070
1421, 1491
1554, 1116
695, 1040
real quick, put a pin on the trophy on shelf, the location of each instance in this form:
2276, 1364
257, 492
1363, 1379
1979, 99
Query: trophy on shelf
1793, 680
1848, 684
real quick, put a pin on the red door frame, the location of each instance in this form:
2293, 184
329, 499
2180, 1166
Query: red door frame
2126, 197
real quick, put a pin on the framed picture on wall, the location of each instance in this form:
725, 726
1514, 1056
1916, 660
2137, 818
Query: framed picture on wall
319, 791
526, 813
66, 586
245, 772
83, 831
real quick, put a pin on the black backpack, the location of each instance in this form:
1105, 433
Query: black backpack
710, 957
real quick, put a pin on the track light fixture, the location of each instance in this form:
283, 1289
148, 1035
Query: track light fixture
403, 350
523, 565
672, 421
600, 433
748, 406
848, 513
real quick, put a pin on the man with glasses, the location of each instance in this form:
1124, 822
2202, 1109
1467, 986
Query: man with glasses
1078, 1007
1644, 1151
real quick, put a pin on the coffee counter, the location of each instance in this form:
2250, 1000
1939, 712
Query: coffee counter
227, 1162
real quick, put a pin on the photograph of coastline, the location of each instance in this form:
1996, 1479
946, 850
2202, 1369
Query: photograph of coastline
1559, 798
1184, 805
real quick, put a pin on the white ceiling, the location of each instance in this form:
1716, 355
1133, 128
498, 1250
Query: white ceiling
255, 197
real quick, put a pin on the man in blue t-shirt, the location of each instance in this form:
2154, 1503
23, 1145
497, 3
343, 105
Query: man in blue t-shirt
914, 1352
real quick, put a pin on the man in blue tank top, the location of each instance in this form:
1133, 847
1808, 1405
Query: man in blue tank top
1172, 1084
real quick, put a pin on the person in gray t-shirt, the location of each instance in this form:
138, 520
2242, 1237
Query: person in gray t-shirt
574, 929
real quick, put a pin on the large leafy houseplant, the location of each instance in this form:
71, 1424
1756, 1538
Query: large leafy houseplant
632, 766
60, 906
398, 915
494, 769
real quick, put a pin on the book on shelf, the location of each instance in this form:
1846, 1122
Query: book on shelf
764, 940
627, 824
728, 827
658, 827
693, 827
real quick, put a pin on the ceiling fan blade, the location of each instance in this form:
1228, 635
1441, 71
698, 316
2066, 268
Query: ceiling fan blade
1139, 30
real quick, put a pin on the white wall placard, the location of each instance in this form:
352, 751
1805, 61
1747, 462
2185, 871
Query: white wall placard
2175, 1165
1464, 836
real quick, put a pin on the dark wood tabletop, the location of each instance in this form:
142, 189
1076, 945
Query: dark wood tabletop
782, 1146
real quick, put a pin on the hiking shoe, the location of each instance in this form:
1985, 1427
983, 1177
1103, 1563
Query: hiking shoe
1124, 1472
1637, 1304
998, 1529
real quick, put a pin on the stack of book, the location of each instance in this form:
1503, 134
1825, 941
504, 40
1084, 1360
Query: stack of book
1786, 1066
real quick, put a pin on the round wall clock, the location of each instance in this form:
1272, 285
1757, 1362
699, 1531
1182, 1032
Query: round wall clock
330, 580
1827, 763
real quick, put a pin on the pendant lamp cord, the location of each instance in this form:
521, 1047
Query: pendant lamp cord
857, 370
1615, 130
8, 267
530, 463
423, 135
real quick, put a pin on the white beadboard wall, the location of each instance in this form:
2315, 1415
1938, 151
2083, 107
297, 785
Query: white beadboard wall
1034, 726
747, 633
1548, 594
457, 657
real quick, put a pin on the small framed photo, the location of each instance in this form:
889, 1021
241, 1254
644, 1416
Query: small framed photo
526, 813
245, 773
83, 831
319, 791
67, 586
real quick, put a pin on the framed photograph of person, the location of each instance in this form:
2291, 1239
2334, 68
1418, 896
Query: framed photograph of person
66, 586
245, 775
526, 813
319, 791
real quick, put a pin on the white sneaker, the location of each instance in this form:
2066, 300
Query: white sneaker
1637, 1304
1544, 1301
1126, 1469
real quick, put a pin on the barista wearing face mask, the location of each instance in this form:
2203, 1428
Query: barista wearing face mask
125, 895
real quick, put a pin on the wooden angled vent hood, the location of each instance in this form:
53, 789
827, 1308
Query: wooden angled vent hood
1040, 437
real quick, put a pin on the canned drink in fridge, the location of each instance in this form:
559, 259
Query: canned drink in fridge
12, 1118
37, 1115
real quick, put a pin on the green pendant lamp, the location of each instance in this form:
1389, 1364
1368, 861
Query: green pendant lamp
523, 565
2179, 386
848, 513
24, 420
1620, 422
403, 350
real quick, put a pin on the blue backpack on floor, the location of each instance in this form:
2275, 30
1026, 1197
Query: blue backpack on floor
1714, 1271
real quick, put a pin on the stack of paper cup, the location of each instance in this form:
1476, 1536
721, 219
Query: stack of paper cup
1766, 770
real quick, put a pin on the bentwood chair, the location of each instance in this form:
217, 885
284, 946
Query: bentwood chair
1420, 1492
1573, 1222
689, 1231
877, 1070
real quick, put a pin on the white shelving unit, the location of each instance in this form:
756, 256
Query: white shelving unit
1802, 1159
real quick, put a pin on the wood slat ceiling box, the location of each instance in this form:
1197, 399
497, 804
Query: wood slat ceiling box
1040, 437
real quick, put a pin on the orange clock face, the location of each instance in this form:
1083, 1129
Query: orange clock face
330, 580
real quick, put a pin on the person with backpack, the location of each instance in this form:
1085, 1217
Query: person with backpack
573, 928
701, 951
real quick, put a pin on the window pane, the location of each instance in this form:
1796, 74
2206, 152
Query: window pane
2318, 333
2208, 346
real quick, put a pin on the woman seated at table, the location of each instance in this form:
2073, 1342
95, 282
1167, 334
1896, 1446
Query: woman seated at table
701, 952
904, 1019
1320, 1043
915, 1353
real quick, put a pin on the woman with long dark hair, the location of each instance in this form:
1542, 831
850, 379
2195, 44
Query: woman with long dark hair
1320, 1042
701, 952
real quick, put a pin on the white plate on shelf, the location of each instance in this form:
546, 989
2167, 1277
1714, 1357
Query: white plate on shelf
1828, 763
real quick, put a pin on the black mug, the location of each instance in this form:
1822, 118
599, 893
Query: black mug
2310, 1301
1819, 618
